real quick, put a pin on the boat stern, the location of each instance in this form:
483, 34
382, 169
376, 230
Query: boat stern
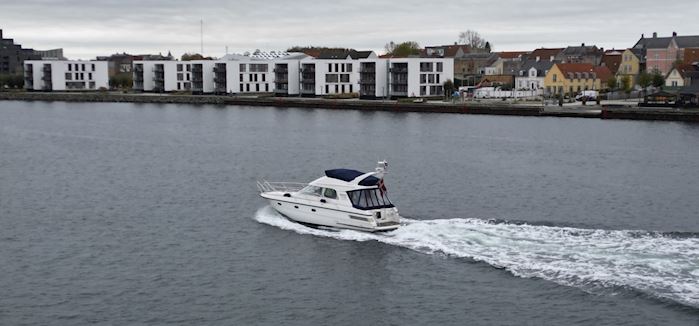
387, 219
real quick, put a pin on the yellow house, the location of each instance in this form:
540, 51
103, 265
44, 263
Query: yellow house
572, 78
630, 65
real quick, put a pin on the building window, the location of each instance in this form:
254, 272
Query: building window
70, 67
349, 67
89, 76
93, 67
430, 78
423, 78
331, 78
555, 78
179, 68
437, 77
440, 66
257, 88
247, 87
423, 90
345, 78
242, 67
180, 77
189, 67
241, 87
330, 67
241, 77
264, 76
83, 66
266, 87
337, 89
343, 89
337, 67
327, 89
69, 76
351, 90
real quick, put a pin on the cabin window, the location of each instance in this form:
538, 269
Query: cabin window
369, 199
312, 190
330, 193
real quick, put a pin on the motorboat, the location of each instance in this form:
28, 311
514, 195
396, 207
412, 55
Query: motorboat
343, 198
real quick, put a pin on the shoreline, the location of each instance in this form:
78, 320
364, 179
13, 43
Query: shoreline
590, 111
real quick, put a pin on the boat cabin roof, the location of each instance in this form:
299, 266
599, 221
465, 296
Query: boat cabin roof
347, 179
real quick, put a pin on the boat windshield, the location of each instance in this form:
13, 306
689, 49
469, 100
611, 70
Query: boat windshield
369, 199
312, 190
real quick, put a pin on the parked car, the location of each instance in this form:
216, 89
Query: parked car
587, 96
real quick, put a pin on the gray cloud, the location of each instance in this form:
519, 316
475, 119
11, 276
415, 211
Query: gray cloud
89, 28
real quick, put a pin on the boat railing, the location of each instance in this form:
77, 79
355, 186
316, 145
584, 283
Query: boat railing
266, 186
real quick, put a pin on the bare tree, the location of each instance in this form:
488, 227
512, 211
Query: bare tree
473, 39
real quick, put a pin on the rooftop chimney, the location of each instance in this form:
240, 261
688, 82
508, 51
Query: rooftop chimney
0, 34
674, 34
583, 45
655, 34
642, 35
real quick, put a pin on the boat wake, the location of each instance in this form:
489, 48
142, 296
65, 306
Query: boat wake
661, 265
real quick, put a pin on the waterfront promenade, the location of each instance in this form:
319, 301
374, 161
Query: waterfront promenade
612, 110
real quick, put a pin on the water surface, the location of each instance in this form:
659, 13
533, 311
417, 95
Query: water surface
148, 214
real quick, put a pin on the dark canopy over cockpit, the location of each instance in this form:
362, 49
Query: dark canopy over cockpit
348, 175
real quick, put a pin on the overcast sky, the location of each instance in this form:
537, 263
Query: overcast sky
88, 28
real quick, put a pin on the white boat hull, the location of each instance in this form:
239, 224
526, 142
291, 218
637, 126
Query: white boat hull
323, 214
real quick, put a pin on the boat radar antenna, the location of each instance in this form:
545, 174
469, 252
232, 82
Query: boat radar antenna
381, 168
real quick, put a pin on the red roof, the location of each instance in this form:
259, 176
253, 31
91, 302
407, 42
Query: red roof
612, 61
601, 72
511, 54
544, 53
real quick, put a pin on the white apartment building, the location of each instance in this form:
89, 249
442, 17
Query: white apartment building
300, 75
65, 75
162, 75
205, 76
405, 77
287, 74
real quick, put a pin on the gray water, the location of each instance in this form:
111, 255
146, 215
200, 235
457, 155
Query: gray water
123, 214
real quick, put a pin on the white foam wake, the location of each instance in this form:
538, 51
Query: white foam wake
658, 265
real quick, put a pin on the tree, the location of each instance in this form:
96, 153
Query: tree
612, 83
121, 81
626, 85
644, 80
474, 40
448, 87
11, 81
194, 56
403, 49
657, 79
